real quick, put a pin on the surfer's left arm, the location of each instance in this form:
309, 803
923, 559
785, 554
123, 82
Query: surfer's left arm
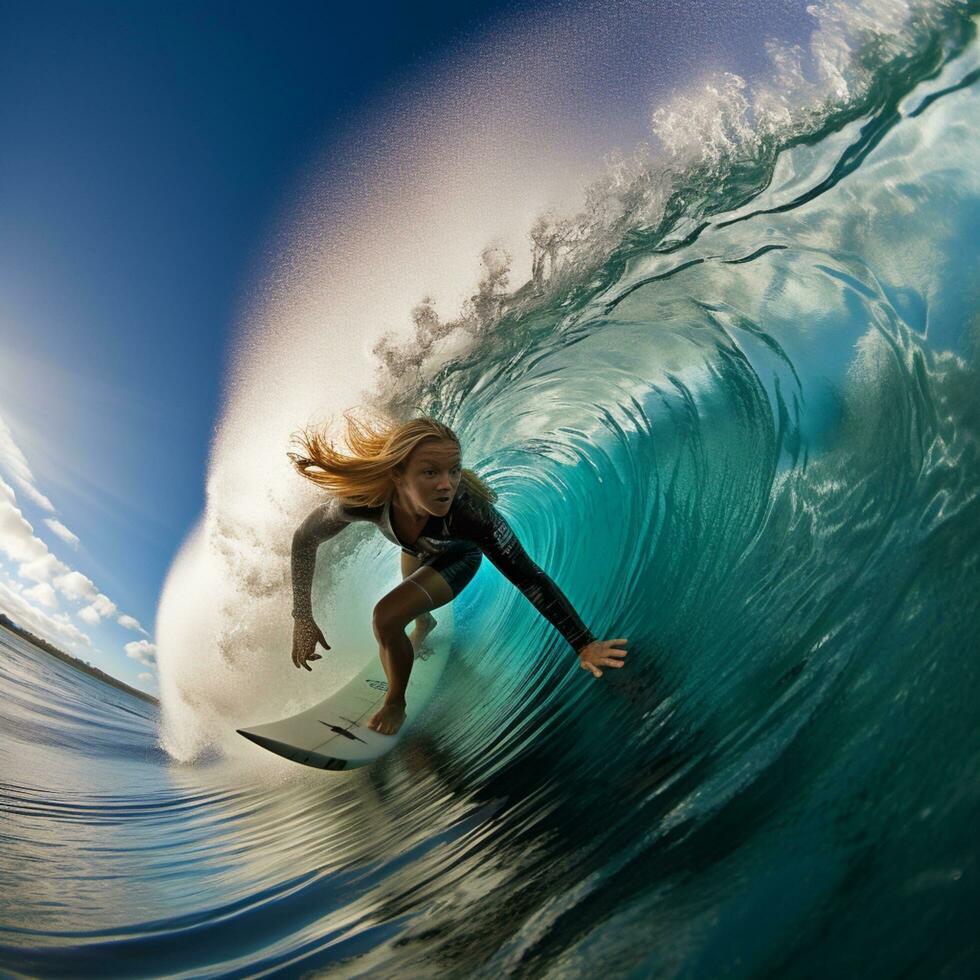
323, 522
498, 542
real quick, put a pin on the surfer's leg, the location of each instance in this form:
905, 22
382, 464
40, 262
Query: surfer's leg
425, 623
423, 591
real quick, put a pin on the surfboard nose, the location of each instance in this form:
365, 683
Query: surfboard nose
294, 752
266, 743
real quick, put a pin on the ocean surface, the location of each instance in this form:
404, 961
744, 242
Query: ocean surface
736, 416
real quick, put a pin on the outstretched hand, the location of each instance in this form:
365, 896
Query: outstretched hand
601, 653
306, 635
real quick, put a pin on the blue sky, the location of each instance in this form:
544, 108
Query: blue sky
148, 152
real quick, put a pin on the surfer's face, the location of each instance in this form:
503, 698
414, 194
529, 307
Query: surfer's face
431, 476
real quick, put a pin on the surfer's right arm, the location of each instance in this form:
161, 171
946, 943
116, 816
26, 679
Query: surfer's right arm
323, 522
487, 527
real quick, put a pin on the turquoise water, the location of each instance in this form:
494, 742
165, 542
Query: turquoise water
740, 428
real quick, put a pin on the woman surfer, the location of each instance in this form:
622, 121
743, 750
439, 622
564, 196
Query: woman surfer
407, 478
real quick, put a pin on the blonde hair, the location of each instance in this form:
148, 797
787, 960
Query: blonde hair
363, 477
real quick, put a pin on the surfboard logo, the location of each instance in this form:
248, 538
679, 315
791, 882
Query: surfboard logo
337, 730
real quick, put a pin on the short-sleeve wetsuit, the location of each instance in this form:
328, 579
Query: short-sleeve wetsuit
453, 545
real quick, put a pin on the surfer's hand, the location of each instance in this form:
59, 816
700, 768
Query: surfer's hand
602, 653
306, 635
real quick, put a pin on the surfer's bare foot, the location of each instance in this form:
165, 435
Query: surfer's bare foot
424, 625
388, 719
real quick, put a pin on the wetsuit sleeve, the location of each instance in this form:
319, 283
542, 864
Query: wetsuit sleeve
323, 522
488, 529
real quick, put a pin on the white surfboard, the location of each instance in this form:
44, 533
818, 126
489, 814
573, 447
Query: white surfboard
334, 734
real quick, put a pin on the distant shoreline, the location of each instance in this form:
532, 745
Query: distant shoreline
12, 627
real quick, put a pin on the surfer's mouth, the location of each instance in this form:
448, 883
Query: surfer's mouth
442, 500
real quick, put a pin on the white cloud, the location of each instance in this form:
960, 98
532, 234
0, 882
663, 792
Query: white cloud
42, 569
15, 463
55, 629
76, 586
131, 623
17, 537
62, 531
42, 593
100, 609
146, 677
143, 651
18, 541
36, 563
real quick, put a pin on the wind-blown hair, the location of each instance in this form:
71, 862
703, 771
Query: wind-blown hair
363, 477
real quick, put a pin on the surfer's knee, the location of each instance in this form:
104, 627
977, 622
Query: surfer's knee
388, 618
378, 624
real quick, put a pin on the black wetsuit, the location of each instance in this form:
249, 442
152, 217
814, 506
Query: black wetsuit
453, 545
